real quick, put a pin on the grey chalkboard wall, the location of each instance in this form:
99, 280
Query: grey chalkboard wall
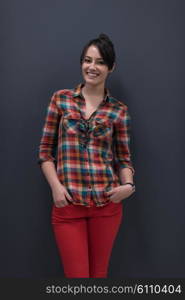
41, 42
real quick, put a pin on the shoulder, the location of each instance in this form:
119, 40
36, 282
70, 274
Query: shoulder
63, 93
121, 111
62, 97
119, 105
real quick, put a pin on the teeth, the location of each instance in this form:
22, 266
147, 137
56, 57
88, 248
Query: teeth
92, 74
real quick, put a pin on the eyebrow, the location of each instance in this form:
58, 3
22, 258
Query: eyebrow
96, 58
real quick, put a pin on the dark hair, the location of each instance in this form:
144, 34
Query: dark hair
105, 47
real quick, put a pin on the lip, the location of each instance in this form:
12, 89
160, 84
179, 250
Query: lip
93, 75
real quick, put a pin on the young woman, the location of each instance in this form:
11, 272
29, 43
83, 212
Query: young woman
92, 172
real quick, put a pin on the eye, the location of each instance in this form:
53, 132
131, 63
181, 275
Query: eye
87, 60
101, 62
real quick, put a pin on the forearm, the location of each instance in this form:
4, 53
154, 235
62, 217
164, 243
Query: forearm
125, 175
49, 171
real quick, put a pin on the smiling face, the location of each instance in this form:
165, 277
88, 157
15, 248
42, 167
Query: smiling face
94, 69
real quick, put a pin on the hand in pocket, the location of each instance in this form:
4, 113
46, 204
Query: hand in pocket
61, 196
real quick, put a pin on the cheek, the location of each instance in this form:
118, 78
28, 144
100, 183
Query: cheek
83, 73
84, 67
104, 74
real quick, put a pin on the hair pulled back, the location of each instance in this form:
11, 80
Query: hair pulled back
105, 47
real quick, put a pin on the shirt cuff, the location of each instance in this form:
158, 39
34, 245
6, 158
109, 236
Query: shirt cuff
41, 160
127, 166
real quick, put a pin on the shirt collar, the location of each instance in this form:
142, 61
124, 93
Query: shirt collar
78, 92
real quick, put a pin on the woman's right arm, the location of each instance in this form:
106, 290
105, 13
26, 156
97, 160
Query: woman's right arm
59, 191
49, 171
47, 149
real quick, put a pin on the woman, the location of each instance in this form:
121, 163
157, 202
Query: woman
93, 171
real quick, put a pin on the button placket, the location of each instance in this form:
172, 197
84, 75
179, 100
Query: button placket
84, 130
85, 141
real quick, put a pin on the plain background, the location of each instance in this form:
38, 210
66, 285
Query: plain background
41, 43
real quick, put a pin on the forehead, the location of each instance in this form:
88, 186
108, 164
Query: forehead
93, 51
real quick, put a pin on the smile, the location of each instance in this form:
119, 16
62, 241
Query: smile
92, 75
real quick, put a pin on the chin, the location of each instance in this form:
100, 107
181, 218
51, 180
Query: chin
91, 81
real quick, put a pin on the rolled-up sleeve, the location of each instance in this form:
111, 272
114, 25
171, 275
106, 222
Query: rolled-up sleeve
121, 141
49, 138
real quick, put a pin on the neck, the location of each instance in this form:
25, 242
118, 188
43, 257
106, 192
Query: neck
93, 90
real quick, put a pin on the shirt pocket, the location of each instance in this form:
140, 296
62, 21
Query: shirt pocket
70, 122
102, 128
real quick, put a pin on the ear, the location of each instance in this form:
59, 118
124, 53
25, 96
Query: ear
114, 65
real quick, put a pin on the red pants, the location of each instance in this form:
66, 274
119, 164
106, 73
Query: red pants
85, 237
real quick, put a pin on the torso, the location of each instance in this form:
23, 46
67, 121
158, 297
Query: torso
91, 105
90, 108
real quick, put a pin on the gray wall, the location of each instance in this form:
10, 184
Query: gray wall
41, 42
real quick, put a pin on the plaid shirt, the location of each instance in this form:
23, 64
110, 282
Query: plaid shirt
87, 152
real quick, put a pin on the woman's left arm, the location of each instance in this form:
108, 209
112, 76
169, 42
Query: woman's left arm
121, 142
126, 175
122, 157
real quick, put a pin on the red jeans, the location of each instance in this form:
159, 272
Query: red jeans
85, 237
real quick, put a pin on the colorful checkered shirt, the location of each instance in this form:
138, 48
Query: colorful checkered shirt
87, 152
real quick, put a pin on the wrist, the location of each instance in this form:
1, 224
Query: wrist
129, 183
56, 185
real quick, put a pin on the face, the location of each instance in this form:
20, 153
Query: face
94, 70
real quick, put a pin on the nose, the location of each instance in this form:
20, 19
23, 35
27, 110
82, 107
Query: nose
92, 65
